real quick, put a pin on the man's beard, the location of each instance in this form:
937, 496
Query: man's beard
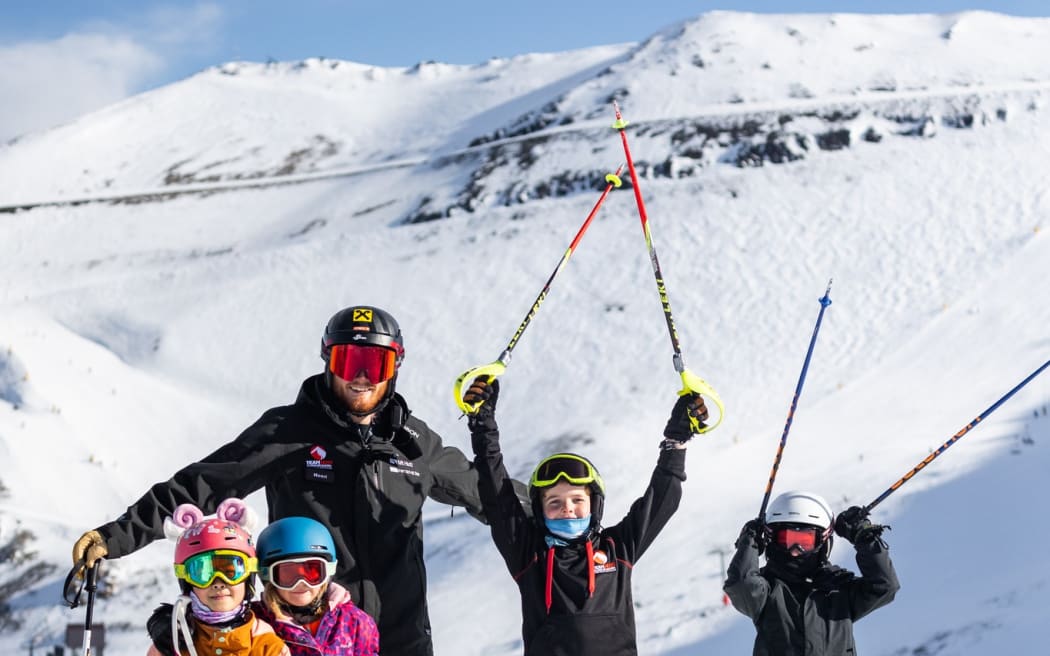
362, 404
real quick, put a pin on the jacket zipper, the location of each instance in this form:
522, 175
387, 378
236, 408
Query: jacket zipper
375, 473
366, 441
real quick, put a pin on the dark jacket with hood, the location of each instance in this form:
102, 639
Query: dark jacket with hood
367, 486
809, 613
575, 599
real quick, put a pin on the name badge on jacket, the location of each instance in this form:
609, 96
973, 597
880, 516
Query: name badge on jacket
318, 467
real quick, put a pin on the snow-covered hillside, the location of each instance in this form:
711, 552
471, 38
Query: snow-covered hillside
905, 156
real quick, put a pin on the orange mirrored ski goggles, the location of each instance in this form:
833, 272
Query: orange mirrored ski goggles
378, 363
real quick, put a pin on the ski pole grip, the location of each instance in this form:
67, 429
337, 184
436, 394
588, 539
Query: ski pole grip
493, 370
691, 383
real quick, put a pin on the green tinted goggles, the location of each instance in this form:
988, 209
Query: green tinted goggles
201, 570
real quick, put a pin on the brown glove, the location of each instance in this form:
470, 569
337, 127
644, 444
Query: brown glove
90, 547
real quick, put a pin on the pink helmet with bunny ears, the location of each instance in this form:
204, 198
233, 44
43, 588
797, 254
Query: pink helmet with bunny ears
228, 530
213, 534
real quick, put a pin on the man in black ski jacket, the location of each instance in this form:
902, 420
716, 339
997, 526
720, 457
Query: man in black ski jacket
347, 453
574, 576
800, 604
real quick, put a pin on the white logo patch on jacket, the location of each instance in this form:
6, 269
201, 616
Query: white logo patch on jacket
402, 466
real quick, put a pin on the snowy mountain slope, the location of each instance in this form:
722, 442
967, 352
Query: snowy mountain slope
723, 59
355, 112
252, 120
135, 337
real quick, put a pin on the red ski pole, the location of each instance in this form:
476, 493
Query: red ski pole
691, 383
495, 369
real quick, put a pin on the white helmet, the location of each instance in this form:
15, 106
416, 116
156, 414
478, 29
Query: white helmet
798, 507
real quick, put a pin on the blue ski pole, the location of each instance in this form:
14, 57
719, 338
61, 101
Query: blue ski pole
955, 438
825, 301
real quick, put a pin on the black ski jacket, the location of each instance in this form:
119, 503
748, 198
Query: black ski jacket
369, 494
812, 616
574, 622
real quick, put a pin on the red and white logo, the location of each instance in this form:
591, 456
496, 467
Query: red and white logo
318, 458
602, 563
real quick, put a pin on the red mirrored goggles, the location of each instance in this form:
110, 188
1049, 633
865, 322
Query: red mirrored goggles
285, 574
789, 536
377, 363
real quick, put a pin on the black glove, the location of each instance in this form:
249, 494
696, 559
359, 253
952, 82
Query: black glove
754, 532
851, 522
487, 392
687, 407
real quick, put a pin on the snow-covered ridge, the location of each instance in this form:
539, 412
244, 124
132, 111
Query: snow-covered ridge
687, 146
319, 115
743, 136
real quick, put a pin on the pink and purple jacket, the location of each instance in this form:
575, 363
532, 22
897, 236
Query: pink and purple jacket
345, 630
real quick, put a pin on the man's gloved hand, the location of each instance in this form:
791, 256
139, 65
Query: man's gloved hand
754, 532
487, 392
90, 547
851, 522
688, 407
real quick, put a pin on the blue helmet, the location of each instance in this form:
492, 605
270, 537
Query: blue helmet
294, 537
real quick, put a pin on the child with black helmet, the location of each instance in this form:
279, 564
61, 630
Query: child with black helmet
574, 576
215, 563
296, 564
799, 602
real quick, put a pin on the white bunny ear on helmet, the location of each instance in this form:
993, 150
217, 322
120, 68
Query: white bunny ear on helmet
172, 531
237, 511
185, 516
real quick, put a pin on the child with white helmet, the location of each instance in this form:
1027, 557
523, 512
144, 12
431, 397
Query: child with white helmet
215, 564
296, 564
799, 602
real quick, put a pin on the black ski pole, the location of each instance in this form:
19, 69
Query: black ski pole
691, 383
955, 438
72, 592
494, 369
825, 301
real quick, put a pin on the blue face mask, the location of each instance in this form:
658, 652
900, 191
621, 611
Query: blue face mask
568, 528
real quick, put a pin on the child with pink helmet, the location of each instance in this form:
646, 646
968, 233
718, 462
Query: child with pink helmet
215, 563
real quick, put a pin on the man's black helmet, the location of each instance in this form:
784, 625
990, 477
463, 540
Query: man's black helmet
363, 324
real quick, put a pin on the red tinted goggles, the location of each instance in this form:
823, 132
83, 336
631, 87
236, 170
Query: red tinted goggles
285, 574
378, 363
806, 538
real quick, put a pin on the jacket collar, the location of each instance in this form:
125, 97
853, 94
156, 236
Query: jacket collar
388, 425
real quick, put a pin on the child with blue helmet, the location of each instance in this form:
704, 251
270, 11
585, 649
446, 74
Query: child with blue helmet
296, 564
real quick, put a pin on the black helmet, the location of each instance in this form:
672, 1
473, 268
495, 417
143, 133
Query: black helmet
571, 468
363, 324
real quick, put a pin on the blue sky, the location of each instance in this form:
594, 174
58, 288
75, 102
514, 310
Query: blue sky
62, 58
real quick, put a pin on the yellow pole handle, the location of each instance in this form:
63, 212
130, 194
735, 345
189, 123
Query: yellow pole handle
493, 370
691, 383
